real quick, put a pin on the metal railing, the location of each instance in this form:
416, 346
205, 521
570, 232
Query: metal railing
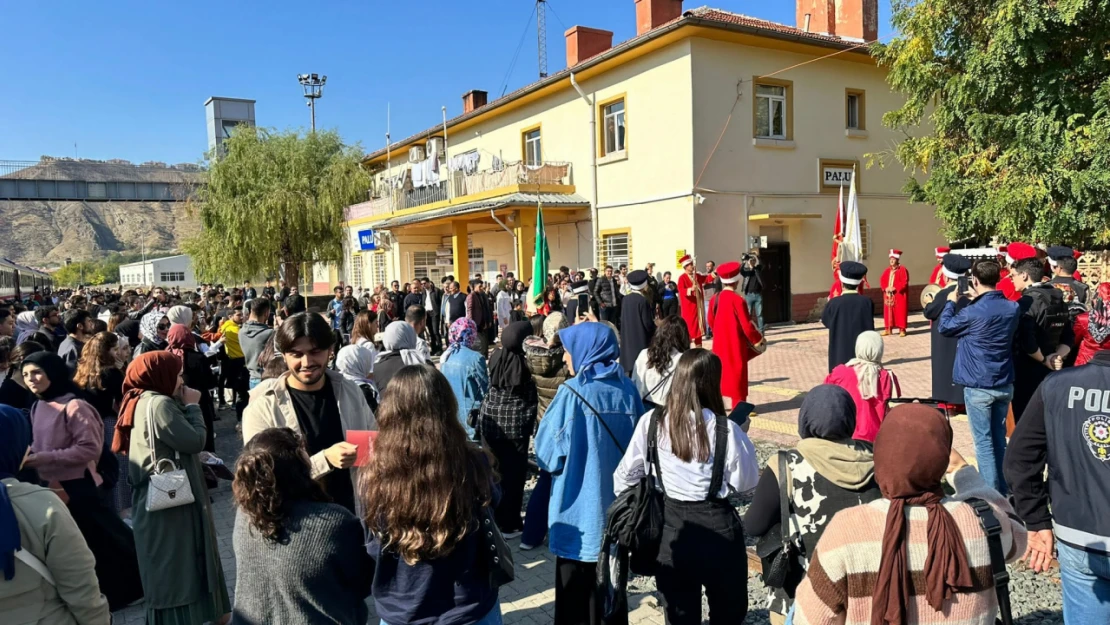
460, 185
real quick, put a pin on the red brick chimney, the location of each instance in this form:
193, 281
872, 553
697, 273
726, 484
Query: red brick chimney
583, 43
651, 14
852, 19
475, 99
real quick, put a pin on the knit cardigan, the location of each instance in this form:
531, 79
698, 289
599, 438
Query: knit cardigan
843, 572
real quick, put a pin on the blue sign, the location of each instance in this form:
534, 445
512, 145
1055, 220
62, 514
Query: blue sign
366, 240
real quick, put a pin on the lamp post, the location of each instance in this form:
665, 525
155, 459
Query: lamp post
313, 85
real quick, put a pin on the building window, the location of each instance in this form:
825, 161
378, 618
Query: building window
616, 248
864, 239
773, 109
422, 264
533, 149
356, 271
613, 127
171, 276
855, 105
377, 269
477, 257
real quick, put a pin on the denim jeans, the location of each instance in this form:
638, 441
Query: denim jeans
1085, 578
986, 414
755, 308
493, 618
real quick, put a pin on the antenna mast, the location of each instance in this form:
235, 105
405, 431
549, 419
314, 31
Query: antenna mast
541, 35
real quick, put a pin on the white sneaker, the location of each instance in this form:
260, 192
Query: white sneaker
511, 535
526, 547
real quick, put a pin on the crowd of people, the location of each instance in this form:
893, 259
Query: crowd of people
389, 437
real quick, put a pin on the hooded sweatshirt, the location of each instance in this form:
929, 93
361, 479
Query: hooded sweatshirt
252, 339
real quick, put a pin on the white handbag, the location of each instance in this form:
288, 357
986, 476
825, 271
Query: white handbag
169, 484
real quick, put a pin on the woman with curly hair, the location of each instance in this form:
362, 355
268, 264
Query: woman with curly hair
300, 557
655, 366
101, 380
422, 496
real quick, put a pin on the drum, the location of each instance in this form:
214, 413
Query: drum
928, 294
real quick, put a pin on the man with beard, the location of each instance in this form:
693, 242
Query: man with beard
317, 403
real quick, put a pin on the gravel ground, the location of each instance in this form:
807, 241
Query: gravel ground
1035, 598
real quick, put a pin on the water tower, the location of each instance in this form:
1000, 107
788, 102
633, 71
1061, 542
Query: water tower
224, 114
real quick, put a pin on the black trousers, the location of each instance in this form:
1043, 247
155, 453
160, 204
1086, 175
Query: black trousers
669, 307
703, 546
512, 465
434, 341
577, 600
208, 411
233, 375
1028, 375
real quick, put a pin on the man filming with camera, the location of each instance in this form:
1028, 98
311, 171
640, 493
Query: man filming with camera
752, 286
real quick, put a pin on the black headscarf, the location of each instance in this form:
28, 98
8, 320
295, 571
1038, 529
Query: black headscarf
130, 329
827, 412
61, 381
508, 367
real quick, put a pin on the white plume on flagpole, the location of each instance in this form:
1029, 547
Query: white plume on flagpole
853, 239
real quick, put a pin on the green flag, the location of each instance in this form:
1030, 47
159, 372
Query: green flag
539, 263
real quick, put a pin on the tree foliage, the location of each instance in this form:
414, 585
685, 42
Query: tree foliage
272, 199
1006, 113
82, 273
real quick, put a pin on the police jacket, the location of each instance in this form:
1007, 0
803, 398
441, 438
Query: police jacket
1045, 322
1067, 427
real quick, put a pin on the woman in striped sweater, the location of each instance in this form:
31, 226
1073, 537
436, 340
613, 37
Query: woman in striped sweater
914, 556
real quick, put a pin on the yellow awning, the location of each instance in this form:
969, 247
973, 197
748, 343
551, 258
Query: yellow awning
782, 217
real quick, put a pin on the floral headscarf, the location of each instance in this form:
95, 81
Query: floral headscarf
463, 333
1098, 319
149, 327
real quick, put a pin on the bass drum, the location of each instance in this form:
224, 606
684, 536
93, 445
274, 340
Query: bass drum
928, 294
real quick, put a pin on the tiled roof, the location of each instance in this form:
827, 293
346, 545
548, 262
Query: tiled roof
513, 199
699, 15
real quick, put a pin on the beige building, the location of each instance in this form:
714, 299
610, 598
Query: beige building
707, 131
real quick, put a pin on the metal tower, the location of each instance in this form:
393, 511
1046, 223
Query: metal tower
541, 35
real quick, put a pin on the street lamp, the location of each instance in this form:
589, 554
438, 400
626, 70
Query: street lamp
313, 85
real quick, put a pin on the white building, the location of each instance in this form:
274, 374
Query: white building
165, 272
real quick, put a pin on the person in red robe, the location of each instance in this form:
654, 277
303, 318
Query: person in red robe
1014, 252
938, 278
734, 334
691, 298
896, 295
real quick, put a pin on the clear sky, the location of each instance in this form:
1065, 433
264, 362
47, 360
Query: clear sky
128, 78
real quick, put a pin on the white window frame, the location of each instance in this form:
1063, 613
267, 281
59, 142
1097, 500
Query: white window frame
356, 271
612, 251
533, 147
771, 102
422, 269
377, 269
477, 257
615, 135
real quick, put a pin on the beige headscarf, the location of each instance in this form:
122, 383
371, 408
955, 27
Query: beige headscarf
868, 363
180, 314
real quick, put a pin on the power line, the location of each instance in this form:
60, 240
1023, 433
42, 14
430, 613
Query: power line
551, 7
505, 83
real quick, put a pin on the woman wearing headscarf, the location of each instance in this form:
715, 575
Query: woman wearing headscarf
580, 441
870, 385
1092, 328
826, 473
36, 527
197, 373
545, 360
154, 328
508, 420
356, 363
13, 390
180, 315
913, 532
68, 442
26, 324
465, 369
399, 343
179, 560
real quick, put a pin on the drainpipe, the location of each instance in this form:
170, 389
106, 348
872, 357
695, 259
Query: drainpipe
593, 152
511, 233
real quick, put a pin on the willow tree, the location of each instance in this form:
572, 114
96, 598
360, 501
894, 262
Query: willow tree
275, 199
1006, 115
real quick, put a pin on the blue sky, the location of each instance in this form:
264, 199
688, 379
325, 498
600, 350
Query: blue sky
128, 79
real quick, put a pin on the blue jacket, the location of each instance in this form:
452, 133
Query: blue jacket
985, 329
466, 372
581, 456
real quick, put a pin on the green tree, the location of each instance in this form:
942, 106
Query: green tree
75, 274
275, 199
1006, 113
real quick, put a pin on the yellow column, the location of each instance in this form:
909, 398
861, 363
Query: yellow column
525, 231
460, 251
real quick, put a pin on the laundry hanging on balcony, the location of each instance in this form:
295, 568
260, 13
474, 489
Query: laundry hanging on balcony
466, 163
426, 172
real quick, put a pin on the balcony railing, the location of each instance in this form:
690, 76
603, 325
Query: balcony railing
461, 185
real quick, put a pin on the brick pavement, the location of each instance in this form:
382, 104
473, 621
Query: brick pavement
795, 362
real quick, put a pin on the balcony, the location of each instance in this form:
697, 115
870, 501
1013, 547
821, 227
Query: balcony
459, 187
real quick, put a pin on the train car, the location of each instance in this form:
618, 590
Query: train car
9, 281
18, 283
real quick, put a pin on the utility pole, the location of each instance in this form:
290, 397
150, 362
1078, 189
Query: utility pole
313, 85
541, 35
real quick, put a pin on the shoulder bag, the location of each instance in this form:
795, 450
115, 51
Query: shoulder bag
646, 399
775, 549
993, 528
499, 557
634, 521
169, 484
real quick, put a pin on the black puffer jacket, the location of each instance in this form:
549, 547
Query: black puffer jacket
548, 369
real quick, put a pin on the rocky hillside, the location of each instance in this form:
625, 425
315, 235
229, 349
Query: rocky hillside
45, 233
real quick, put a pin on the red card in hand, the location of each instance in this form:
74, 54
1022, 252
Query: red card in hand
364, 440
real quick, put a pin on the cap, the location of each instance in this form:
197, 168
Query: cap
941, 251
1019, 251
729, 273
896, 253
955, 265
852, 273
1057, 252
686, 260
637, 279
579, 287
